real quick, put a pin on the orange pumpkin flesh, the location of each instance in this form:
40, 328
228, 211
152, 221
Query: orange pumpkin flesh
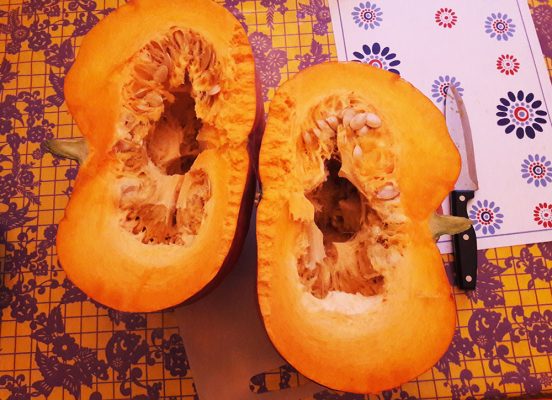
164, 93
351, 286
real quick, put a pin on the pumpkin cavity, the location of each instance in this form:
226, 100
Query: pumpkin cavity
348, 165
170, 97
337, 204
172, 145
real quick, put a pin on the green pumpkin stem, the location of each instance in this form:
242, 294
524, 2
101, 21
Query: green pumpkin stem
75, 149
447, 225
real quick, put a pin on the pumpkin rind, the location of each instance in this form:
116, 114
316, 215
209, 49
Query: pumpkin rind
100, 246
335, 332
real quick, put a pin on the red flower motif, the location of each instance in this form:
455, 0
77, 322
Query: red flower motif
446, 17
542, 214
507, 64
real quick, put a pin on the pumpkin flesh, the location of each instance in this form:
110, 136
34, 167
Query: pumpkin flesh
351, 286
166, 101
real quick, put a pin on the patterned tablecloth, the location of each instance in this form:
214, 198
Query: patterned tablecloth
56, 343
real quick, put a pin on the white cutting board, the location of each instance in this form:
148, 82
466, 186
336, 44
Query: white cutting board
465, 44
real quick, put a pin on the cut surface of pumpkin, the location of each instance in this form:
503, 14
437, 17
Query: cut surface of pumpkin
352, 289
166, 100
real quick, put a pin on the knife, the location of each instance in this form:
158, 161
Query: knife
465, 243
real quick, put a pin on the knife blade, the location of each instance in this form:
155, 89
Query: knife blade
465, 243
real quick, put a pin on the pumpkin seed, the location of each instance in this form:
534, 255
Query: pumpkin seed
333, 122
358, 121
161, 74
204, 60
307, 138
153, 99
213, 59
387, 192
140, 106
144, 71
363, 131
348, 115
178, 36
214, 90
322, 124
372, 120
140, 93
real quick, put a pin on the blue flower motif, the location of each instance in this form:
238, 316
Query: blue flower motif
440, 87
378, 57
486, 216
367, 15
499, 26
522, 113
537, 170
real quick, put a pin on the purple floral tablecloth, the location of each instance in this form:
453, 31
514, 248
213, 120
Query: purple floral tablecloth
56, 343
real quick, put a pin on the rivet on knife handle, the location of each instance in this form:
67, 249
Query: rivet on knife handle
465, 243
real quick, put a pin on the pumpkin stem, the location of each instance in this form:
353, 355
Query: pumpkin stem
75, 149
447, 225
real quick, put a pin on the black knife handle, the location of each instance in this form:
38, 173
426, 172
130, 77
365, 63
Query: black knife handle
465, 243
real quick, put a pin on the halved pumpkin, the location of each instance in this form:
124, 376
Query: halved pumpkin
164, 93
354, 161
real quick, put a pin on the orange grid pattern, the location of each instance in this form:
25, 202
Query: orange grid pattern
93, 327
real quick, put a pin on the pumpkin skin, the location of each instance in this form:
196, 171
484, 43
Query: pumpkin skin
167, 101
364, 312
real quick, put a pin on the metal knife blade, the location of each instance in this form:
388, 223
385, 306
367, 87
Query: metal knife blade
465, 243
458, 126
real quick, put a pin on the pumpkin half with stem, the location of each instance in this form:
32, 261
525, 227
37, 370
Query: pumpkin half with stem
164, 93
354, 162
